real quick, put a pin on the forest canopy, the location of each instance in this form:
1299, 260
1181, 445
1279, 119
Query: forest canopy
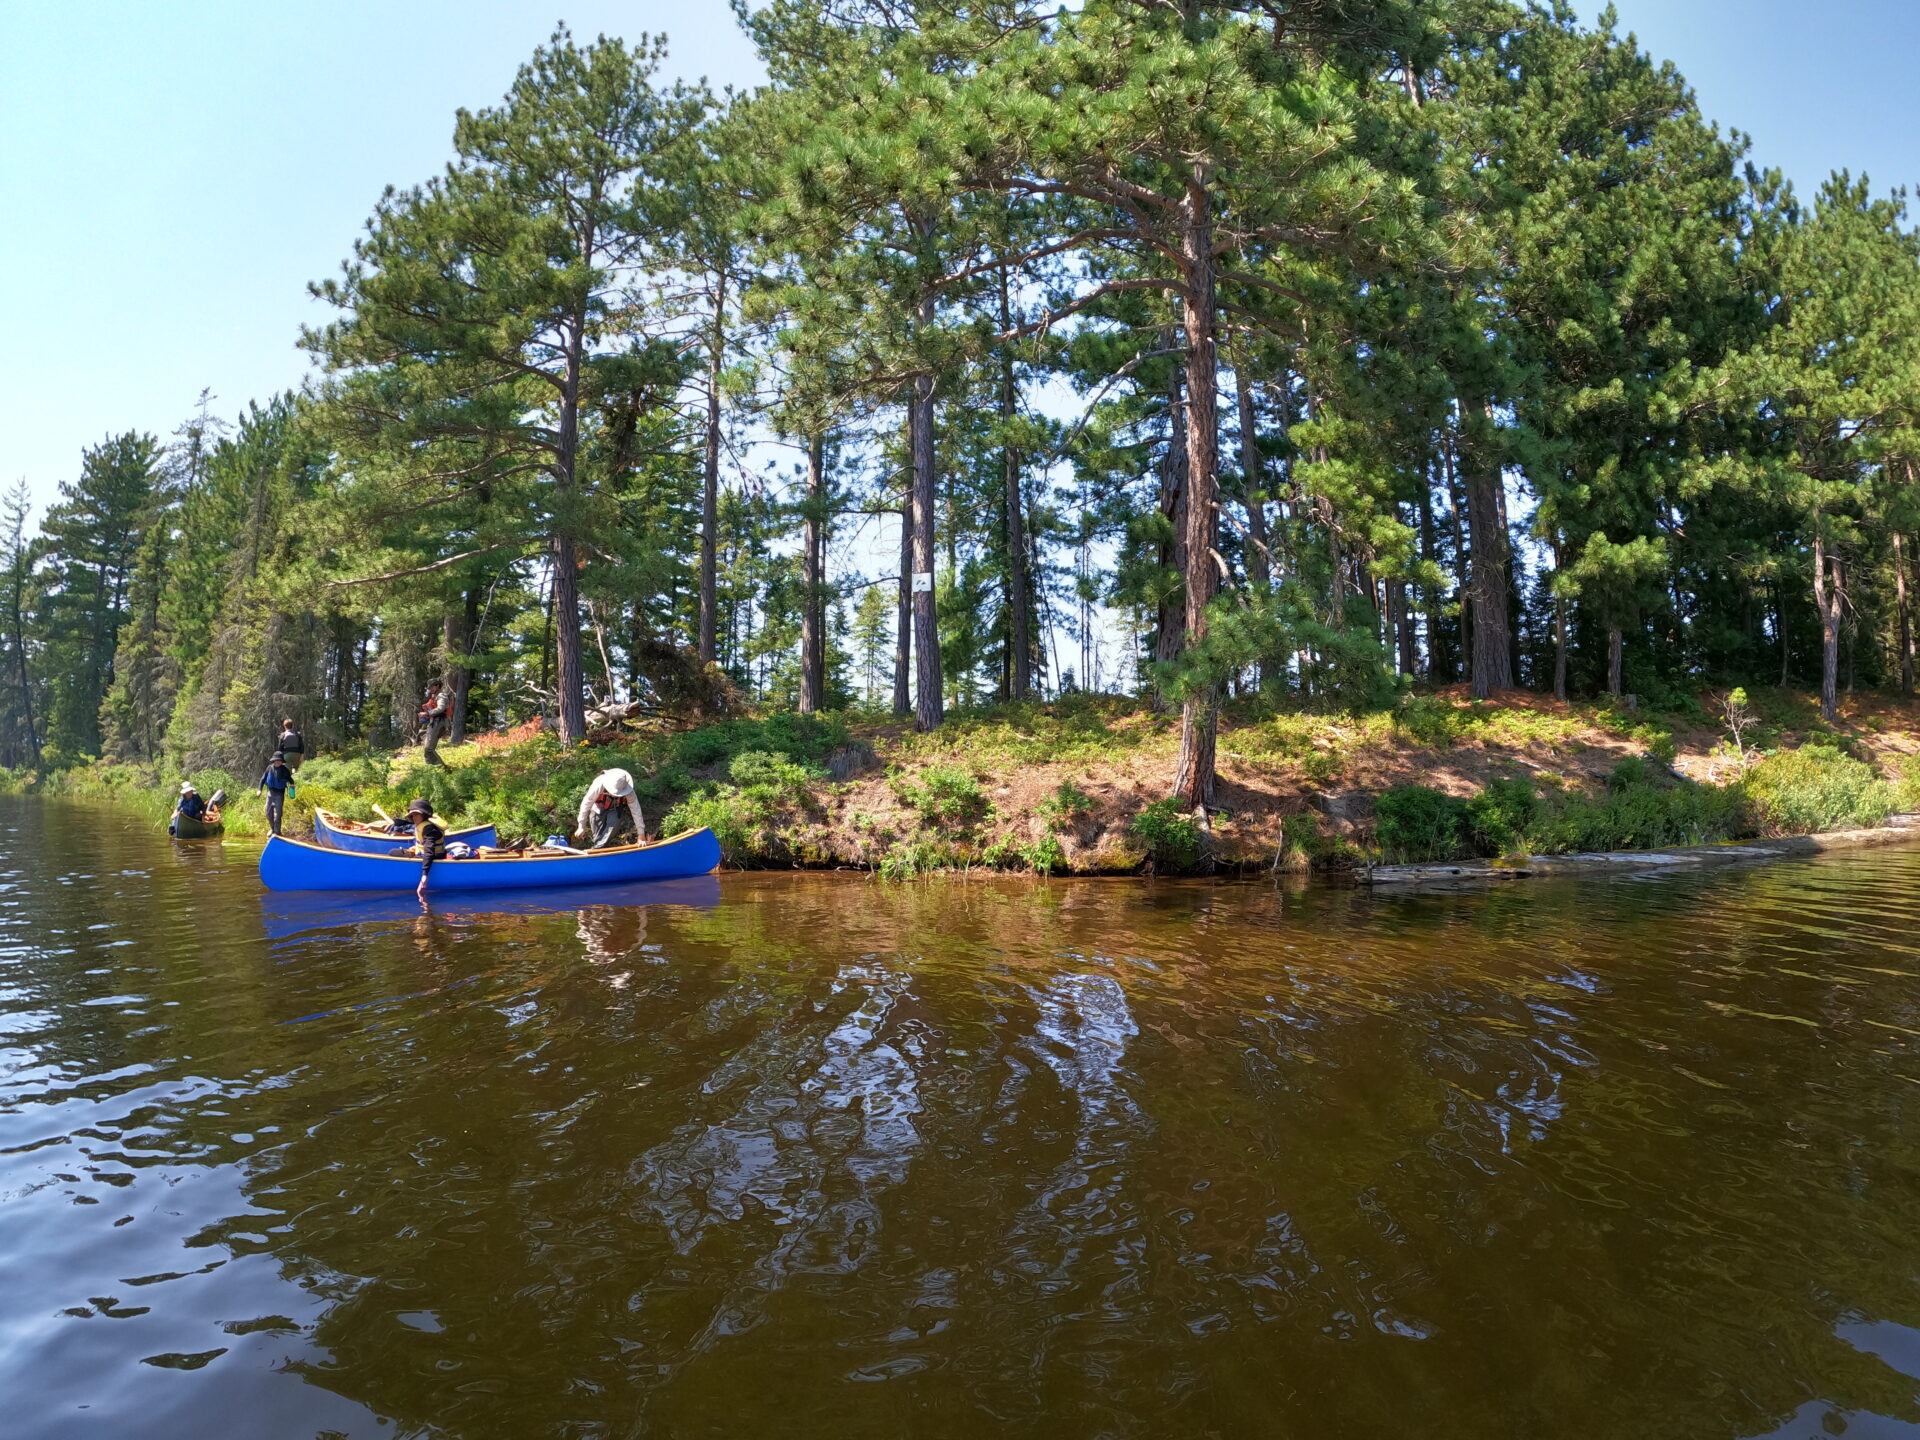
1280, 353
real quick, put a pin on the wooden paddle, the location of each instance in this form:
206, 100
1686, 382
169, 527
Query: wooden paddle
383, 814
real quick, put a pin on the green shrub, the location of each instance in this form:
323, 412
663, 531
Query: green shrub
725, 812
918, 856
1815, 788
1414, 823
945, 795
1429, 720
1001, 854
1498, 818
1170, 837
1906, 790
773, 778
1638, 816
1323, 767
1045, 856
346, 773
743, 816
797, 737
1628, 773
1066, 807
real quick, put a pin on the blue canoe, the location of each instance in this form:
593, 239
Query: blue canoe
336, 833
295, 865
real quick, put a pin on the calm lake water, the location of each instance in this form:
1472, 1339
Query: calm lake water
790, 1155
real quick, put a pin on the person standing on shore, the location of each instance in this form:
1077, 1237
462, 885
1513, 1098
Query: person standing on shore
291, 744
433, 721
278, 784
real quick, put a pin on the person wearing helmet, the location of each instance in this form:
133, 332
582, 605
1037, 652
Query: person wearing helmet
429, 838
610, 813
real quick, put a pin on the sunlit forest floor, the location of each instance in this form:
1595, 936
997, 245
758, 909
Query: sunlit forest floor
1077, 785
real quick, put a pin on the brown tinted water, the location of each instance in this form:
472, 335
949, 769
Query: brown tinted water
790, 1155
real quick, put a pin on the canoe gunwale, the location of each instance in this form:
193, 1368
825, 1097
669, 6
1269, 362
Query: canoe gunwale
335, 832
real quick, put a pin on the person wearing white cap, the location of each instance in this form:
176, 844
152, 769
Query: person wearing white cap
189, 804
609, 809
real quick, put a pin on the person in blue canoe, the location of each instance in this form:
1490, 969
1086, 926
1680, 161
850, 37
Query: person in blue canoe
278, 785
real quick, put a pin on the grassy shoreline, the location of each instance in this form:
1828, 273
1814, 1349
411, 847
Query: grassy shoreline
1076, 787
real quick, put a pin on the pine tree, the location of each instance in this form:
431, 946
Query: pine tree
1163, 132
19, 731
91, 538
485, 316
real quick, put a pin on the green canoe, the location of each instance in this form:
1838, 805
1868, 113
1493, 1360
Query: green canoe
185, 829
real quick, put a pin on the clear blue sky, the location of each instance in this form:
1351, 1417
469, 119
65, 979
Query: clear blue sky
173, 172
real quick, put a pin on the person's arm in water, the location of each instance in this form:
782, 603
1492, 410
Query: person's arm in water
428, 837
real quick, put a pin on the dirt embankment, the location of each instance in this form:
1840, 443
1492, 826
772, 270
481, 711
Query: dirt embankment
1294, 791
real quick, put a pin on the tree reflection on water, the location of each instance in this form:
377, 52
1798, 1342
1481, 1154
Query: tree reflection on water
815, 1155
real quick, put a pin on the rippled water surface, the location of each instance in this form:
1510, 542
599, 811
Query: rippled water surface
781, 1155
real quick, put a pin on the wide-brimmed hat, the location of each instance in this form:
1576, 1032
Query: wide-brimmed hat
619, 783
420, 805
186, 787
279, 754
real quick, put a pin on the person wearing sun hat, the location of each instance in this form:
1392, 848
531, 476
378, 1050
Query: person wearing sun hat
609, 810
429, 838
189, 804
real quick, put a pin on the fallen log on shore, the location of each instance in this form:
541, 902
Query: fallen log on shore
1899, 829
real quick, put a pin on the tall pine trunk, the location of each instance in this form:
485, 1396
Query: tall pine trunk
456, 639
1826, 599
1199, 718
1905, 618
1487, 578
1559, 625
710, 480
21, 677
1402, 602
570, 679
1560, 648
903, 644
929, 705
1170, 632
813, 627
1616, 652
1462, 561
1019, 614
1438, 670
1259, 557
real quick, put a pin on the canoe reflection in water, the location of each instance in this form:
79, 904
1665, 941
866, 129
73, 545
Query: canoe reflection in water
290, 915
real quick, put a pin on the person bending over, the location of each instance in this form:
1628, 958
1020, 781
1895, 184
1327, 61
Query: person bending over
429, 838
610, 813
